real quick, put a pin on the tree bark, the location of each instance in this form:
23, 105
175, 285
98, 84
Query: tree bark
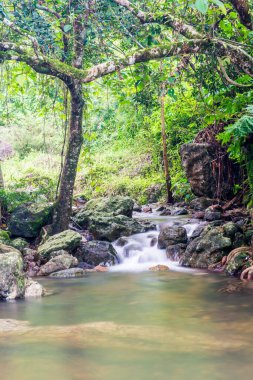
63, 207
165, 155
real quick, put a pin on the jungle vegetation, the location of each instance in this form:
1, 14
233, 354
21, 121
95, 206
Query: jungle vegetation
93, 92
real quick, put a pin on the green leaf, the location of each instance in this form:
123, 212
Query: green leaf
201, 6
67, 28
220, 5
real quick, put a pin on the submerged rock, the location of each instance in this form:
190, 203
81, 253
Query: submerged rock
67, 240
69, 273
28, 219
97, 252
159, 268
172, 235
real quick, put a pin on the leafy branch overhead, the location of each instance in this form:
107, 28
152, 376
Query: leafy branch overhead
43, 37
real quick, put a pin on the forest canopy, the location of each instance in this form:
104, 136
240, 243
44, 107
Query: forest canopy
81, 76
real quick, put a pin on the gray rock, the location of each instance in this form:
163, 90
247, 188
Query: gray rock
12, 279
28, 219
175, 252
57, 263
116, 205
211, 215
201, 203
69, 273
33, 289
172, 235
67, 240
97, 252
179, 211
197, 162
207, 249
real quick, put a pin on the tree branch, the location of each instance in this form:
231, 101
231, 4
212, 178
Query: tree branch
229, 80
167, 19
243, 9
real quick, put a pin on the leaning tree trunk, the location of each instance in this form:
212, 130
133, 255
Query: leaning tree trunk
63, 207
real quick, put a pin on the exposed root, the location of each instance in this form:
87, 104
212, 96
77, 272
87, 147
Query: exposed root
247, 274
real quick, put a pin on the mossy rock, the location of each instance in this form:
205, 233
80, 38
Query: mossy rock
110, 206
112, 227
67, 240
12, 278
4, 237
28, 219
19, 243
207, 249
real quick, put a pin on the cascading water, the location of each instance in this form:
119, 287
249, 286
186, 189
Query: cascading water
140, 251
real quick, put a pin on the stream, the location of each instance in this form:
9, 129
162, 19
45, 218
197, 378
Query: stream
132, 323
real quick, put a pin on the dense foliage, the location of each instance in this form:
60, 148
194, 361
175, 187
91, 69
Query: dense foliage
122, 150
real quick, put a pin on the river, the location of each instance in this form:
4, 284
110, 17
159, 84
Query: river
136, 325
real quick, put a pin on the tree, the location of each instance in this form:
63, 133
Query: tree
58, 38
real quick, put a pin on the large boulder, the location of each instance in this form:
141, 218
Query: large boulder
197, 161
57, 263
207, 249
172, 235
238, 260
28, 219
12, 278
97, 252
117, 205
67, 240
112, 227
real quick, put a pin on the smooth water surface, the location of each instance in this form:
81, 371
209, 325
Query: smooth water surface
139, 326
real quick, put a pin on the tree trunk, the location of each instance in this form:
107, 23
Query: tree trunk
165, 156
63, 207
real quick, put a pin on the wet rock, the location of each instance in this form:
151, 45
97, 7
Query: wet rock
198, 231
97, 252
58, 253
112, 227
199, 215
137, 207
201, 203
153, 242
12, 279
33, 289
7, 248
57, 263
207, 249
69, 273
166, 212
172, 235
28, 219
131, 247
179, 211
147, 209
85, 265
67, 240
121, 241
159, 268
238, 260
175, 252
211, 215
101, 268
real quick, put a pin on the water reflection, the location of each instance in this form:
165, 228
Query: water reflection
145, 325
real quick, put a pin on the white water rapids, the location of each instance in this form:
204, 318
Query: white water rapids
141, 251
